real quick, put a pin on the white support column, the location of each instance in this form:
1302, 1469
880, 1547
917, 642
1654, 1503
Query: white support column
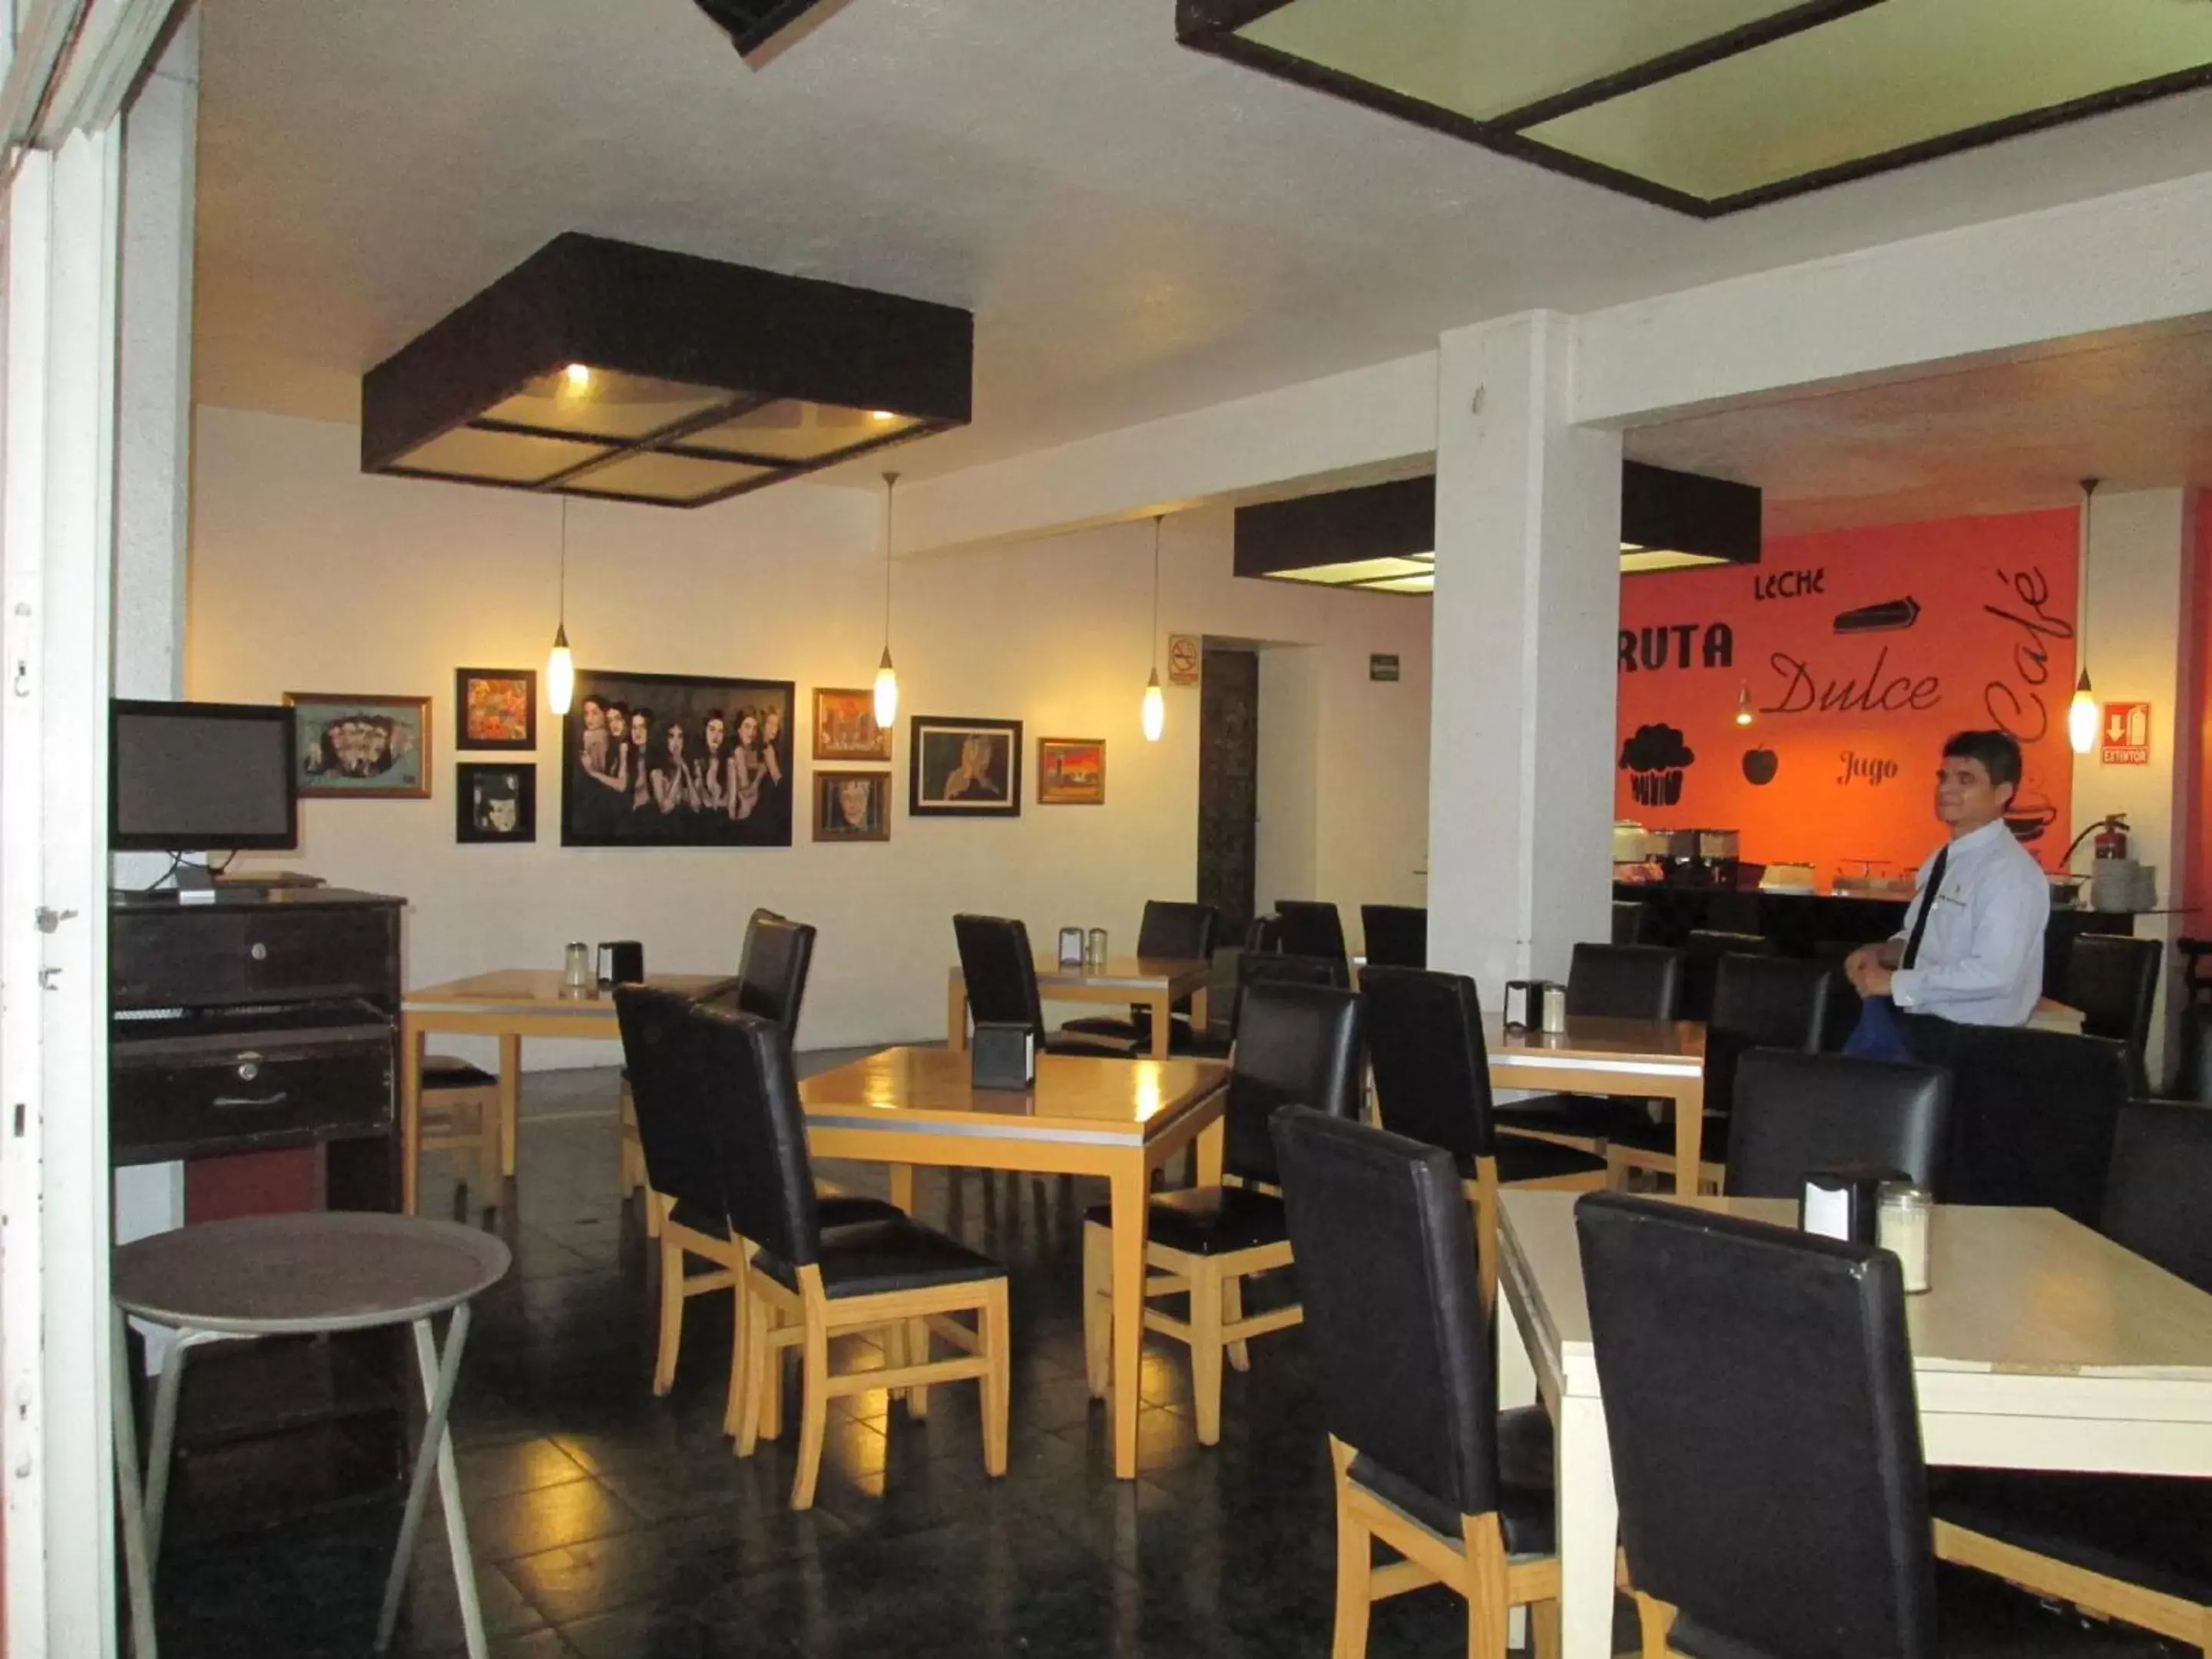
1527, 602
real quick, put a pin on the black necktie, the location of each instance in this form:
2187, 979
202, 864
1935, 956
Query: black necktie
1927, 906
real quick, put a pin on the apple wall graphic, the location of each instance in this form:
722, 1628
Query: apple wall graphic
1760, 766
1654, 759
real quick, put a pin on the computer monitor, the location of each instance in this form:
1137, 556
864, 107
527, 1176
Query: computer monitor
189, 777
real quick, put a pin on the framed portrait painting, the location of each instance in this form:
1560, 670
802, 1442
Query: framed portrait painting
845, 726
366, 748
852, 805
496, 708
1071, 771
496, 801
964, 768
676, 760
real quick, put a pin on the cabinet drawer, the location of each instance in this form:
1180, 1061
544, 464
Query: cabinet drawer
170, 1098
329, 953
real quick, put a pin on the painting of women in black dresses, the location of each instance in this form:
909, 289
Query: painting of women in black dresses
676, 759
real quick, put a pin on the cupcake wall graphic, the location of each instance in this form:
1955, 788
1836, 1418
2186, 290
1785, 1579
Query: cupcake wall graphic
1654, 759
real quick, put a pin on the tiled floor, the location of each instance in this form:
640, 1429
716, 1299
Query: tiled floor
612, 1525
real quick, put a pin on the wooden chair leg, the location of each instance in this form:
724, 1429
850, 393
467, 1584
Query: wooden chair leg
1544, 1629
1098, 1308
917, 1353
1232, 1312
1355, 1574
741, 1347
771, 1387
1655, 1620
996, 1327
671, 1314
1489, 1614
656, 1210
1206, 1279
813, 1404
753, 1358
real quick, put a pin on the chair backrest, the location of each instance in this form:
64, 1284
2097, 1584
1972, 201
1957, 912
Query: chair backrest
772, 974
1765, 1435
2113, 981
1763, 1002
1625, 981
1177, 931
677, 1124
1002, 974
2155, 1195
1311, 927
1796, 1112
1702, 952
1397, 935
1632, 922
2033, 1113
2192, 1068
1424, 1047
1279, 969
767, 1172
1296, 1045
1393, 1319
1263, 935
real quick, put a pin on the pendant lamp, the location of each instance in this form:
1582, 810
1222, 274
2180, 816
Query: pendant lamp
560, 665
1743, 715
2082, 712
1156, 702
887, 676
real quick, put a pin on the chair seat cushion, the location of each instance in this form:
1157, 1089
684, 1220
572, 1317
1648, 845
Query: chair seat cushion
874, 1256
2141, 1529
1522, 1160
1650, 1137
1525, 1483
1596, 1117
452, 1071
1209, 1220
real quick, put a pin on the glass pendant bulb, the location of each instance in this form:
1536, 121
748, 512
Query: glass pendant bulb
2081, 712
1156, 709
1743, 706
2082, 717
559, 663
886, 692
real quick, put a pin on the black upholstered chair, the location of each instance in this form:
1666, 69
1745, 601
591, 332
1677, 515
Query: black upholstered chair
1263, 935
1608, 982
1002, 985
1632, 922
2033, 1113
1401, 1344
1796, 1112
1171, 931
1312, 927
2113, 981
2192, 1060
2156, 1192
1759, 1002
682, 1118
1268, 968
1432, 1074
806, 1283
1397, 935
1296, 1045
1701, 961
1775, 1506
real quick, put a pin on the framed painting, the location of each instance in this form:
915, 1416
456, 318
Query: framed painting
367, 748
496, 801
676, 760
1071, 771
964, 768
496, 708
845, 726
852, 805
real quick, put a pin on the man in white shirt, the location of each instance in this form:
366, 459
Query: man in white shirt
1972, 948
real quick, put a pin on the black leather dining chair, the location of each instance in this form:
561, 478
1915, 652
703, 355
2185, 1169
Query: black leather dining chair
1609, 982
1798, 1112
1632, 922
1774, 1502
1400, 1338
1397, 935
1296, 1045
2113, 981
1702, 952
1175, 931
1432, 1071
1312, 927
1266, 969
1000, 973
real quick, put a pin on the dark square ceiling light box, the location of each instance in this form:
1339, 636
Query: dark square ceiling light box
602, 368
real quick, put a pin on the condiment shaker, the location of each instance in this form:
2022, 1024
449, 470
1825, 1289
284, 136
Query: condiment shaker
577, 973
1555, 1009
1906, 1215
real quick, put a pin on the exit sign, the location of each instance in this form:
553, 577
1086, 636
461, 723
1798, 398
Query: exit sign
2124, 738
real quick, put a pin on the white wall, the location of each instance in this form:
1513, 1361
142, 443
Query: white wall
308, 575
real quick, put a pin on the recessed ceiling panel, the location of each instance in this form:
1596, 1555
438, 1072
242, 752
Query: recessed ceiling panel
667, 477
1358, 570
604, 403
501, 457
1402, 584
788, 430
1659, 558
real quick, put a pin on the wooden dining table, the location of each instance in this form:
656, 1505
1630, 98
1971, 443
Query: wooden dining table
1122, 1119
1647, 1058
1154, 982
510, 1003
2040, 1345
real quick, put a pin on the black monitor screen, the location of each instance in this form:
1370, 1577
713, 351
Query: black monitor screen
195, 776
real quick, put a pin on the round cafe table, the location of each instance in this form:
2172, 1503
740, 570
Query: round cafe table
308, 1274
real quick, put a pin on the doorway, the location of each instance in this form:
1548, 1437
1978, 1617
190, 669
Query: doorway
1228, 784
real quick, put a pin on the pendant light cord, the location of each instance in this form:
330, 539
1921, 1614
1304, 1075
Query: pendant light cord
1158, 519
890, 486
562, 625
2081, 607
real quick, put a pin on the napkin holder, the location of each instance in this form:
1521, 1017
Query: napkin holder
1524, 1003
1071, 947
1002, 1055
1843, 1201
621, 962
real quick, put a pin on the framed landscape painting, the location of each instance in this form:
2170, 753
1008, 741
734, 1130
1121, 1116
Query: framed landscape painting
676, 760
852, 806
496, 708
366, 748
964, 768
1071, 771
496, 801
845, 726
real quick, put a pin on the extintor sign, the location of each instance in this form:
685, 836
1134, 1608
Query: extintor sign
2125, 734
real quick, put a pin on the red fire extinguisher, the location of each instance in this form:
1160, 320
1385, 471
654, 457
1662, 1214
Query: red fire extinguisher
2112, 841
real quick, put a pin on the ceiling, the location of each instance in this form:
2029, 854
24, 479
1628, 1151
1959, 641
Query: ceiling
1139, 229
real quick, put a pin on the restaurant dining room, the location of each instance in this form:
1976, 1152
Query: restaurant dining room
1172, 827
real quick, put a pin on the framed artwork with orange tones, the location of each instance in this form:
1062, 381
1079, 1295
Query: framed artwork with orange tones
845, 726
1071, 772
496, 708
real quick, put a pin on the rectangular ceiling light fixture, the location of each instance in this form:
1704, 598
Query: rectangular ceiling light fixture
1381, 538
1711, 107
601, 369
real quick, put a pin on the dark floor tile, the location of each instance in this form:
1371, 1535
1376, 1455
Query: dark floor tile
524, 1523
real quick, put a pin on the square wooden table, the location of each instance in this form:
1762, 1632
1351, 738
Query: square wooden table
2040, 1345
1647, 1059
1157, 982
1122, 1119
509, 1004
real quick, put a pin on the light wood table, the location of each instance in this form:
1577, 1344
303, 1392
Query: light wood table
2052, 1015
509, 1004
1122, 1119
1647, 1059
1157, 982
2040, 1346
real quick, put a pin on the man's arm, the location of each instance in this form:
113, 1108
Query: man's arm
2008, 927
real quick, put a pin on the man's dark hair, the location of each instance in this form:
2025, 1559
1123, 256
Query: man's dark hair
1998, 754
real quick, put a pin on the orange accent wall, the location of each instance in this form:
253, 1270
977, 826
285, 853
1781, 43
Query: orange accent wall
1862, 650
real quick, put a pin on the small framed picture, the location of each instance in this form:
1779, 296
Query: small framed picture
964, 768
497, 801
1071, 771
852, 805
366, 748
496, 708
845, 726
